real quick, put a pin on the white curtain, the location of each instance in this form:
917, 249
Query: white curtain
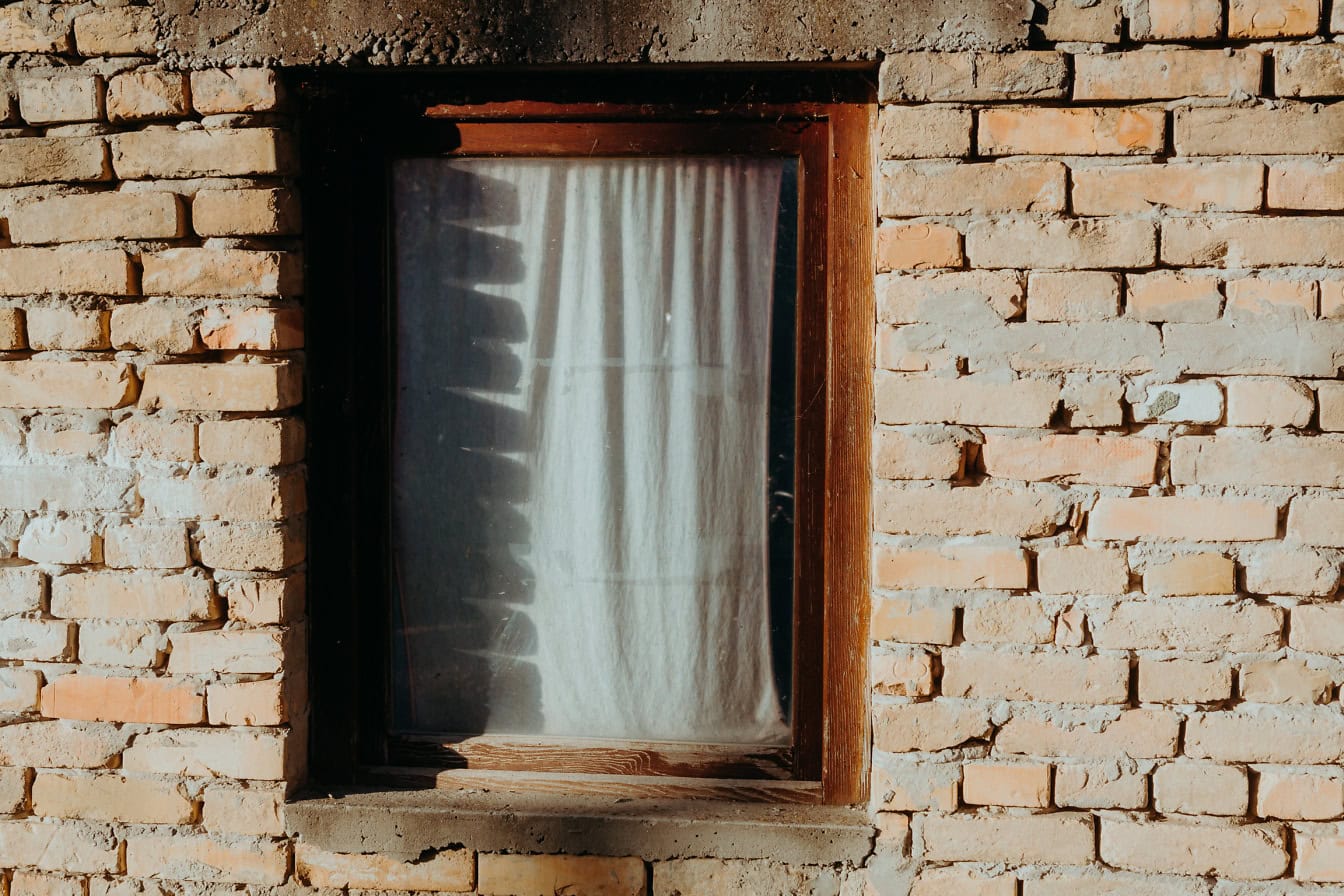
580, 446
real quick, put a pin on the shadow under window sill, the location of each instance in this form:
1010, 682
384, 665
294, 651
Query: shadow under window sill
406, 823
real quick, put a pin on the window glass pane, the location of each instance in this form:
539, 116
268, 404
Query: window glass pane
591, 497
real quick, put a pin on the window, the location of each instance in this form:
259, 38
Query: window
590, 403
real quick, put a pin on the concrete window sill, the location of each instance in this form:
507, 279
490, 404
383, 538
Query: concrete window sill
406, 823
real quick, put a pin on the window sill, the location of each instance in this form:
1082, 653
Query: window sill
405, 823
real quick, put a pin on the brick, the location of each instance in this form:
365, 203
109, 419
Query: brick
1279, 460
1280, 793
1063, 838
1102, 786
1072, 243
1261, 296
1142, 625
68, 329
248, 753
913, 189
1188, 574
135, 644
227, 808
953, 566
1284, 681
918, 132
256, 328
61, 744
213, 152
57, 98
687, 877
14, 790
1173, 296
1273, 18
1011, 620
990, 509
1066, 20
522, 875
1330, 399
1073, 295
1296, 129
1317, 520
452, 870
1098, 460
65, 847
21, 589
1298, 736
132, 595
144, 545
1332, 299
976, 400
901, 675
236, 651
121, 31
1121, 346
918, 247
1268, 401
1252, 347
1319, 858
94, 698
912, 622
157, 437
1309, 71
916, 786
1138, 733
1081, 570
1302, 184
264, 601
1290, 569
262, 496
262, 212
147, 94
19, 692
194, 857
98, 216
66, 270
67, 540
926, 453
12, 334
1166, 74
154, 327
251, 546
111, 797
1183, 518
65, 488
1250, 852
1317, 629
954, 881
222, 387
33, 29
215, 91
939, 725
1189, 788
1180, 20
1004, 784
36, 639
1232, 186
29, 883
220, 272
1183, 681
934, 77
1055, 678
1075, 132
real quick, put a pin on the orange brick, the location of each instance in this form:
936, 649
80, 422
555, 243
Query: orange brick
222, 387
1078, 132
1181, 20
1003, 784
523, 875
1098, 460
954, 566
918, 247
1183, 518
1187, 574
153, 700
1273, 18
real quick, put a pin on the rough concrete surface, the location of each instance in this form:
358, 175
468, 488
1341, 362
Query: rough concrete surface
440, 32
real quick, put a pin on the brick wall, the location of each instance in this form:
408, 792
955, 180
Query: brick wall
1108, 531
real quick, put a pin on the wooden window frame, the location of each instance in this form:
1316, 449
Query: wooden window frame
349, 423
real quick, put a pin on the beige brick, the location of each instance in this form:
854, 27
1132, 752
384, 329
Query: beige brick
992, 509
1166, 74
927, 453
1081, 570
61, 744
154, 327
147, 93
916, 786
1010, 620
1073, 295
57, 488
1003, 784
1141, 625
1319, 858
1183, 518
220, 272
1072, 243
1300, 736
918, 247
121, 31
19, 692
1318, 520
69, 329
687, 877
1102, 786
237, 651
66, 270
21, 589
256, 754
1279, 460
37, 639
58, 97
1250, 852
947, 296
954, 566
933, 77
25, 29
1186, 574
1273, 18
29, 883
450, 870
1296, 129
1173, 296
215, 91
918, 132
251, 546
98, 216
953, 881
156, 437
1093, 401
13, 790
214, 152
132, 595
1181, 20
12, 332
1099, 460
1280, 793
1078, 132
94, 698
264, 601
1138, 733
1213, 186
1317, 629
245, 212
194, 857
1303, 184
522, 875
1290, 569
227, 808
260, 496
912, 189
1190, 788
1184, 681
1284, 681
221, 387
111, 797
1259, 296
1309, 71
1330, 400
64, 540
1055, 678
1268, 401
146, 546
1096, 22
1064, 838
1195, 401
256, 328
939, 725
912, 622
63, 846
902, 675
977, 400
136, 644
